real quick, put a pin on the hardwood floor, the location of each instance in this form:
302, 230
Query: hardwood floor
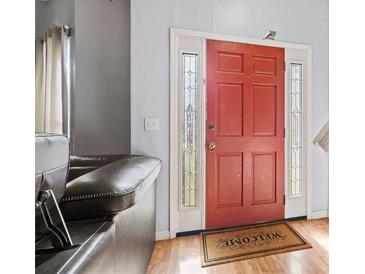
182, 255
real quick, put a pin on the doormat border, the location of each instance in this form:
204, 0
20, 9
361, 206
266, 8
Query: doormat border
222, 260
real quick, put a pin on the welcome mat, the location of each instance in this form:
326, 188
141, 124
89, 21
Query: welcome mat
227, 245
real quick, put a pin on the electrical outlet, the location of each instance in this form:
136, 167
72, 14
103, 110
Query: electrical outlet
151, 124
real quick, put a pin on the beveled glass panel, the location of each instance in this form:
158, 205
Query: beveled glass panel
189, 143
296, 130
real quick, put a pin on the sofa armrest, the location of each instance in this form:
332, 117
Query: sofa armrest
110, 189
80, 165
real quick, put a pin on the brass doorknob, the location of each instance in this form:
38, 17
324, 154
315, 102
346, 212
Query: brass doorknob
211, 146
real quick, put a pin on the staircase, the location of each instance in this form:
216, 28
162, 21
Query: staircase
322, 138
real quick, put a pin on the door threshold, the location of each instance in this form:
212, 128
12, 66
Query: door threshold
196, 232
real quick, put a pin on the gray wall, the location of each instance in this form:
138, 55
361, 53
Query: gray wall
295, 20
101, 120
50, 12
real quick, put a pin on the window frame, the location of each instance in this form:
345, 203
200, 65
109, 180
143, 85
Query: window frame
199, 128
300, 194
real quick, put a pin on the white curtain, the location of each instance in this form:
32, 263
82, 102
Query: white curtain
40, 84
48, 86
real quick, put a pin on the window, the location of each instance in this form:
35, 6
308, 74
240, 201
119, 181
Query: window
296, 130
189, 131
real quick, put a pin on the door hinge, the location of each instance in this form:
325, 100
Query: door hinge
284, 199
284, 132
284, 66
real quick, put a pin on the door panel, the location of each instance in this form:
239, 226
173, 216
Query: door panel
263, 178
245, 121
230, 109
264, 110
229, 179
230, 62
264, 65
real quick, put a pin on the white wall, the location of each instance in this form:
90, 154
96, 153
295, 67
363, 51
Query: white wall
299, 21
101, 120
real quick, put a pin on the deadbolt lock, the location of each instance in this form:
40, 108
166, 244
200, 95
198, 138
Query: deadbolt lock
211, 126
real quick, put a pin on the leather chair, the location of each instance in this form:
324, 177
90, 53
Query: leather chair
107, 206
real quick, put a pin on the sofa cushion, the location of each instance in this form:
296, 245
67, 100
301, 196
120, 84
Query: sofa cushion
109, 189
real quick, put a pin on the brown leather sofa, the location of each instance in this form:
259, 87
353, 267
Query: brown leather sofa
94, 214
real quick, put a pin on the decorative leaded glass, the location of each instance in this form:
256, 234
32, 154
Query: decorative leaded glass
296, 130
189, 130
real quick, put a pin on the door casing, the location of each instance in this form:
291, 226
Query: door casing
175, 35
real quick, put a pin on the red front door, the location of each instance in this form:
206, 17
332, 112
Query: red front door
244, 134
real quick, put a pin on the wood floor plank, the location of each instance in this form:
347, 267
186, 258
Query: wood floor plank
182, 255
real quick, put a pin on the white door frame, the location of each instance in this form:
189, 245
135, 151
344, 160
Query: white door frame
295, 205
175, 33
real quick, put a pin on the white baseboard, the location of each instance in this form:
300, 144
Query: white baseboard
162, 235
319, 214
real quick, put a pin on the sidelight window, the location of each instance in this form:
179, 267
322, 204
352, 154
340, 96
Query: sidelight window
296, 130
189, 130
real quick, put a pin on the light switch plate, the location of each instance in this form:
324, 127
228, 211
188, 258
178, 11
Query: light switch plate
151, 124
